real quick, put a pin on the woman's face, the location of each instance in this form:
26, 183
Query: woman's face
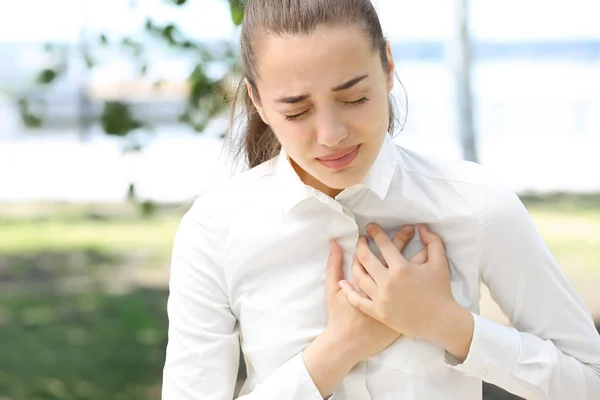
325, 96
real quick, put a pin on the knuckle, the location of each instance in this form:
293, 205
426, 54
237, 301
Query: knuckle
386, 289
384, 315
399, 272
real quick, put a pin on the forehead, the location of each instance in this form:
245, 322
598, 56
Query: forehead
317, 61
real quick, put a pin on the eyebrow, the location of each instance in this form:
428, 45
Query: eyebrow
343, 86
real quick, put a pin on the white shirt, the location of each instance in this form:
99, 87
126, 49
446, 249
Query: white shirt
248, 270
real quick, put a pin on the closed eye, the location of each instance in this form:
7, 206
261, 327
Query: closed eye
295, 116
362, 100
357, 102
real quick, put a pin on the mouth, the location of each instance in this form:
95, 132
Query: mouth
340, 159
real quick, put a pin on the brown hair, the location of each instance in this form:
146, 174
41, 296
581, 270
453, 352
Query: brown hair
256, 143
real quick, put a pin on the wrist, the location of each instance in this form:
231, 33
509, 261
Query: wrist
338, 348
328, 361
454, 331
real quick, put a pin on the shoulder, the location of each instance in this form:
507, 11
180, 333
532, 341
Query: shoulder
469, 183
431, 168
204, 228
217, 206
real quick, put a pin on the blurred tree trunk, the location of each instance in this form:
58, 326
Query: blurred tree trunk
459, 56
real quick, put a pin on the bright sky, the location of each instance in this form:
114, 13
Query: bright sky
61, 20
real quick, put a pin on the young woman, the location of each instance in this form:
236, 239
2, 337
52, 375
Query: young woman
321, 263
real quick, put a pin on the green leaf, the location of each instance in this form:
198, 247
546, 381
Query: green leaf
188, 44
103, 39
168, 33
237, 11
117, 120
89, 61
179, 2
47, 76
149, 24
29, 119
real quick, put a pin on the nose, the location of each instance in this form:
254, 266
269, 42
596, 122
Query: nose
330, 130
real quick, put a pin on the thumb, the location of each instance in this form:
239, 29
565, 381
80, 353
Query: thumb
435, 247
335, 272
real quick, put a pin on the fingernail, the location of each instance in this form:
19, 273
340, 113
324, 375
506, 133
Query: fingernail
408, 229
370, 228
331, 246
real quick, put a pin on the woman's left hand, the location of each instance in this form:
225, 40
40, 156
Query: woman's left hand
412, 298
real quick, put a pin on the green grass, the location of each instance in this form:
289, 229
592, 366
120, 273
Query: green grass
82, 347
573, 236
84, 343
20, 236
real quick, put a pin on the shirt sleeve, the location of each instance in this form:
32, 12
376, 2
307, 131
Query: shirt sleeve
202, 355
552, 349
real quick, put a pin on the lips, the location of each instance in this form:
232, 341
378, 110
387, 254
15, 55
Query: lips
339, 154
340, 159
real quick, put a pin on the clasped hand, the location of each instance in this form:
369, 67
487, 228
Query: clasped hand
409, 296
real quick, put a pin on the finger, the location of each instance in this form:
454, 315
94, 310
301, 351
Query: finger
354, 285
435, 246
360, 303
401, 239
370, 262
358, 290
335, 271
420, 257
389, 252
363, 280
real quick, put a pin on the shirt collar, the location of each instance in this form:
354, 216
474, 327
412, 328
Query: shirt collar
294, 191
378, 179
380, 175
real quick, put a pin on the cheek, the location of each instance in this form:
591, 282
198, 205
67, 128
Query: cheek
366, 118
295, 137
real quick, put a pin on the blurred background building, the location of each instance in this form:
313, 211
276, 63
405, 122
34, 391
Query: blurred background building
86, 223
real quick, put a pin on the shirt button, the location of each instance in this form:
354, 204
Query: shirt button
484, 372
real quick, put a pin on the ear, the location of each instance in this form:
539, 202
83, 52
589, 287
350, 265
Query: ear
256, 101
390, 66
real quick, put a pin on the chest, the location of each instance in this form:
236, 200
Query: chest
276, 270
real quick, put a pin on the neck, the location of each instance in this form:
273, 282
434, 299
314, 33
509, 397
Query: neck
310, 180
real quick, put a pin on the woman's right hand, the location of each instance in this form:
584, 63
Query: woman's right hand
351, 336
362, 336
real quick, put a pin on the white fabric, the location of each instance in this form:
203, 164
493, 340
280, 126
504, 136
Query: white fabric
249, 264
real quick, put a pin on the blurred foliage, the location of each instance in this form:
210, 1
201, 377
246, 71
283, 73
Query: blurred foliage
71, 335
117, 119
84, 346
207, 93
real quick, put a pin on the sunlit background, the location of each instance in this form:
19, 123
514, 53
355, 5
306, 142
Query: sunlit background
87, 218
